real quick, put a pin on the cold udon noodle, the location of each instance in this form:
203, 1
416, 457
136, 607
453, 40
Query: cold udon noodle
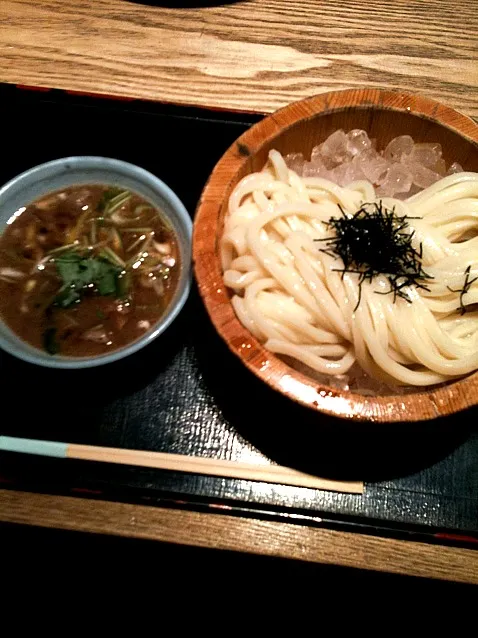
294, 298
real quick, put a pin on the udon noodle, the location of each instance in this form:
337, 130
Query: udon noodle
293, 298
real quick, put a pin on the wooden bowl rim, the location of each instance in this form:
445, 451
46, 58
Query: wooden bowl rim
419, 406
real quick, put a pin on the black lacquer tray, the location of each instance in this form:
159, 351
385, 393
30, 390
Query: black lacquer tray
187, 394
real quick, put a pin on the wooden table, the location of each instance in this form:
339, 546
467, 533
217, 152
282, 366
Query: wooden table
255, 55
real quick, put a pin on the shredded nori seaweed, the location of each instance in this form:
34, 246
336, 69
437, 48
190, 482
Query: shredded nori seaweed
466, 287
375, 241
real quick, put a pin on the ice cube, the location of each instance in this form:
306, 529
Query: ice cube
423, 176
425, 154
311, 170
335, 147
357, 142
317, 157
414, 189
454, 168
295, 161
316, 153
398, 179
373, 166
341, 175
398, 147
356, 169
440, 167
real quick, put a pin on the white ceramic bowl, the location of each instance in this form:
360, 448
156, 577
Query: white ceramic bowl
69, 171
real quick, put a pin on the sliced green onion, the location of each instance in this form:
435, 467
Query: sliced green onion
117, 202
112, 257
60, 249
136, 242
74, 232
139, 240
104, 255
139, 254
93, 231
116, 240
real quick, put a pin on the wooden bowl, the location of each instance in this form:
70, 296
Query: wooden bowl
299, 127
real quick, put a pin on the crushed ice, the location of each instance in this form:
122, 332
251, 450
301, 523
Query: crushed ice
400, 170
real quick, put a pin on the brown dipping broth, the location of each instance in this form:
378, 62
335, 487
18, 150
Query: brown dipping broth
124, 253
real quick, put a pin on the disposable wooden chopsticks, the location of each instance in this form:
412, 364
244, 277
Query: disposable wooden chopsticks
177, 463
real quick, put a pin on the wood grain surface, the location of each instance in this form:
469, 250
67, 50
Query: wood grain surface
254, 55
241, 534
